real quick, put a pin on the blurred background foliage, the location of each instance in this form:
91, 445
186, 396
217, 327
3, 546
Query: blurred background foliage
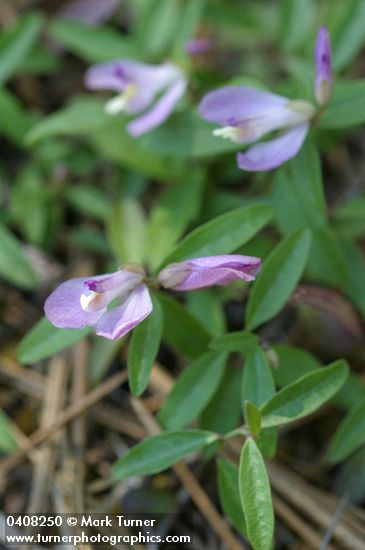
78, 195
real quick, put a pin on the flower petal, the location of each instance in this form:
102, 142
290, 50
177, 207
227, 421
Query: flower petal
198, 46
122, 280
118, 321
160, 111
89, 12
323, 61
233, 105
273, 153
209, 271
148, 80
63, 308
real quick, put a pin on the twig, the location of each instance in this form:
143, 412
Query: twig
79, 388
191, 485
42, 435
297, 524
44, 459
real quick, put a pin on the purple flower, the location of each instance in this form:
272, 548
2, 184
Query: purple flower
89, 12
198, 46
79, 303
247, 114
211, 270
323, 61
138, 86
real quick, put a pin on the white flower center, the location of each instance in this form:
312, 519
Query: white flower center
120, 102
227, 132
303, 109
95, 301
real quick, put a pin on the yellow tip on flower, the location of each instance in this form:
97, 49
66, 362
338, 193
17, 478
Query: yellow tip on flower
120, 102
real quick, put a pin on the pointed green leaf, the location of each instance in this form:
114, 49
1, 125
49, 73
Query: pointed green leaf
229, 496
349, 436
171, 215
181, 329
143, 349
14, 266
94, 44
347, 106
192, 391
255, 496
223, 412
127, 231
239, 341
157, 453
257, 382
223, 234
253, 417
16, 43
305, 395
278, 278
8, 442
44, 340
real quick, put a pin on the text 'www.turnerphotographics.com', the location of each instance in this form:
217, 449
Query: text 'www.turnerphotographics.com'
112, 529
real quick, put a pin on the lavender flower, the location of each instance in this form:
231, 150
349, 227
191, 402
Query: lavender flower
79, 303
209, 271
323, 62
198, 46
138, 86
89, 12
247, 114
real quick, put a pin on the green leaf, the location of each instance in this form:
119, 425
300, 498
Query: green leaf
292, 364
102, 353
298, 196
279, 276
253, 417
90, 201
296, 362
127, 231
93, 44
268, 442
192, 391
189, 22
14, 266
16, 43
157, 453
83, 115
207, 307
305, 395
8, 442
257, 382
349, 217
14, 120
255, 496
295, 19
186, 135
223, 234
182, 330
223, 412
349, 37
170, 216
347, 106
113, 143
241, 342
30, 194
45, 340
349, 436
229, 496
143, 349
165, 16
